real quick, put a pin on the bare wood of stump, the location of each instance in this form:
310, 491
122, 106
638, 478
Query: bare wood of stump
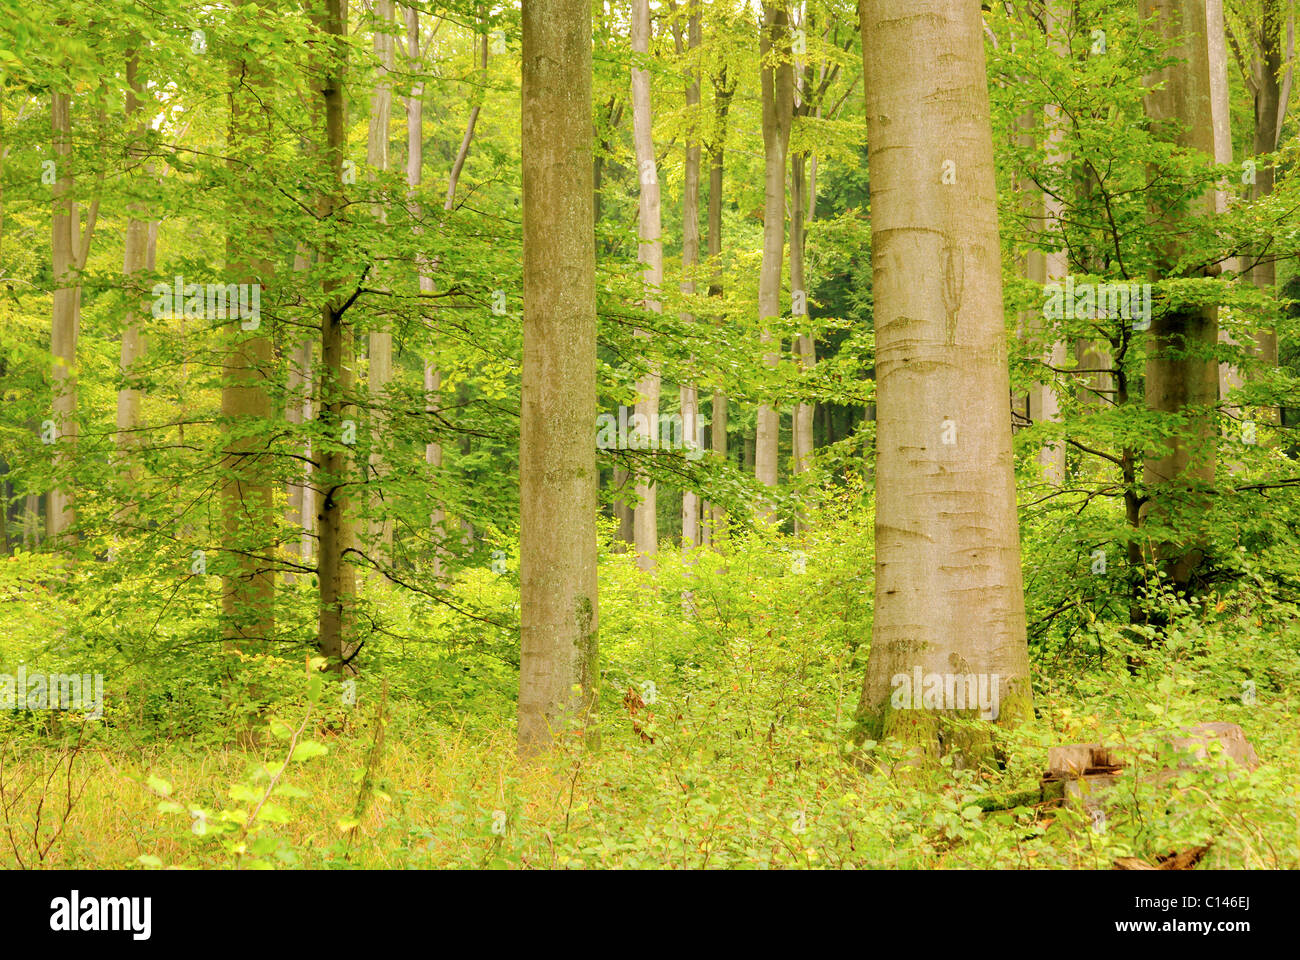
1076, 764
1077, 771
1229, 735
1077, 761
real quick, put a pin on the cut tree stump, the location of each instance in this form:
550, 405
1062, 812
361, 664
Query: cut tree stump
1228, 735
1082, 772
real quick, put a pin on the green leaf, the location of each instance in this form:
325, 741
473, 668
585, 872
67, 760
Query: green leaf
271, 813
308, 749
242, 791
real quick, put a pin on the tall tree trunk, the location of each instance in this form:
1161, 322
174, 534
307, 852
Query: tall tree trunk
778, 107
948, 597
6, 490
135, 255
248, 590
612, 110
722, 93
1051, 266
380, 527
803, 208
433, 377
690, 398
6, 494
1220, 103
60, 512
300, 512
558, 667
1041, 405
623, 511
31, 521
805, 350
650, 253
1269, 110
335, 525
1181, 373
414, 177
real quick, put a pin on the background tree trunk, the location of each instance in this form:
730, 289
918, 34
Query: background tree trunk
809, 90
380, 528
432, 373
689, 394
1230, 378
300, 511
1181, 374
334, 522
1052, 266
650, 253
778, 105
623, 506
1269, 112
248, 589
60, 511
805, 350
135, 257
722, 93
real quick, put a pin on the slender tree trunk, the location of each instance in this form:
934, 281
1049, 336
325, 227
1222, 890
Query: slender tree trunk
558, 668
1109, 385
6, 491
1269, 108
803, 208
414, 177
623, 506
722, 93
1217, 50
650, 254
60, 512
804, 347
335, 524
380, 527
135, 255
32, 521
948, 597
6, 494
778, 107
300, 512
70, 248
690, 398
433, 378
1051, 267
301, 505
302, 509
612, 111
1181, 373
248, 589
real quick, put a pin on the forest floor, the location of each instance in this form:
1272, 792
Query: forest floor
726, 741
